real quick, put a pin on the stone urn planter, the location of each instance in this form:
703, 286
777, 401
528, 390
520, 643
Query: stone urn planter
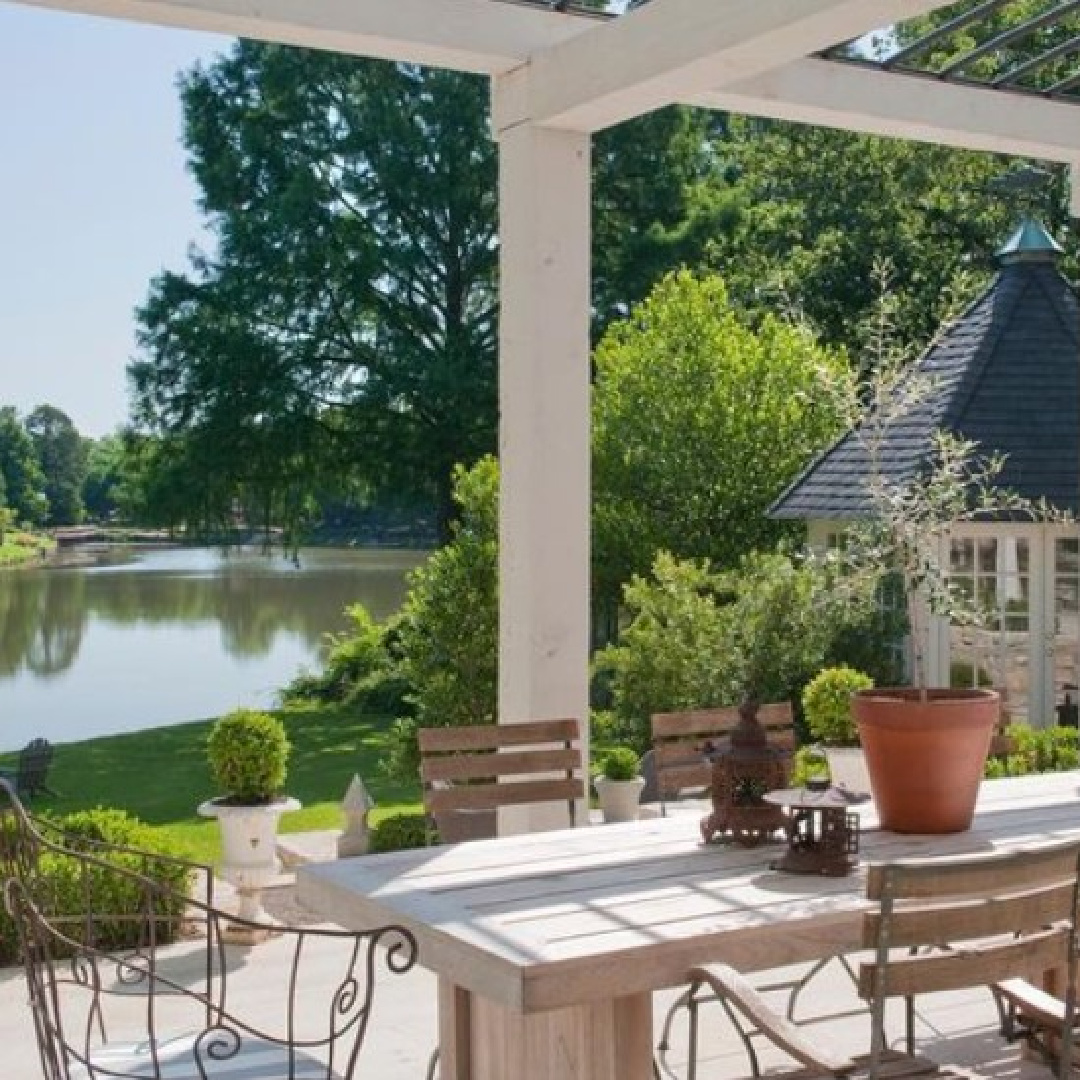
247, 753
926, 756
249, 841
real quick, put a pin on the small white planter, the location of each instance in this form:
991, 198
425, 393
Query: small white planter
619, 798
249, 855
847, 768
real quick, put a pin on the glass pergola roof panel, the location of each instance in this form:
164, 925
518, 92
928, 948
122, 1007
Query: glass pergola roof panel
1026, 46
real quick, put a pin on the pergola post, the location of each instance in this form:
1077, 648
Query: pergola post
544, 229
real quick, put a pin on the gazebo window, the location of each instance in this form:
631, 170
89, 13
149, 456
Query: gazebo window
996, 570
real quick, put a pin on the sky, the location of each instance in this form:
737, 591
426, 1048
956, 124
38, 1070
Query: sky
95, 200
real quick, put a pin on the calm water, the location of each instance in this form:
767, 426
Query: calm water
155, 637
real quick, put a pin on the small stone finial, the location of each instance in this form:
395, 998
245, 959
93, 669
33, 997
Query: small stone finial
357, 804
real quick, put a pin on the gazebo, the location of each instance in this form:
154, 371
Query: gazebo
1005, 375
561, 70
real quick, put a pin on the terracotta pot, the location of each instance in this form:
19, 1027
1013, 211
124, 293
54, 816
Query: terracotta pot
925, 758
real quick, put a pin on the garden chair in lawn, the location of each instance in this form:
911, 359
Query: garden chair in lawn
31, 770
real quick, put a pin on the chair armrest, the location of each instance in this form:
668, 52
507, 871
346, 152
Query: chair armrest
1031, 1003
814, 1053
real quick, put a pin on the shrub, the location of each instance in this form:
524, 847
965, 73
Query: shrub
1037, 750
248, 752
360, 668
448, 630
698, 639
398, 832
619, 763
675, 653
67, 889
827, 704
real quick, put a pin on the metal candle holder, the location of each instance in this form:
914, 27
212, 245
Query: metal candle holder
822, 834
745, 766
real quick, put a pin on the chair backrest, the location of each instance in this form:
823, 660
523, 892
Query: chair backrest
679, 740
99, 977
33, 767
485, 766
987, 918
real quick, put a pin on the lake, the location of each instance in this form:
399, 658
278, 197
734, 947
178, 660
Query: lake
153, 636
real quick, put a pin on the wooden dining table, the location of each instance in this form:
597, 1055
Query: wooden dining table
548, 947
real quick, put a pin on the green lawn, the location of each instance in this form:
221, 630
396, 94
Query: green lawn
161, 775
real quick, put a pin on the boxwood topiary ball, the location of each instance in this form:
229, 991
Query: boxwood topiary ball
248, 752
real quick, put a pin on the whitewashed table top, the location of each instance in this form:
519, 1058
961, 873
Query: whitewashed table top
555, 918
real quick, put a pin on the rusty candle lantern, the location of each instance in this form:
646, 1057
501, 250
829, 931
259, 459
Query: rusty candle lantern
745, 766
822, 835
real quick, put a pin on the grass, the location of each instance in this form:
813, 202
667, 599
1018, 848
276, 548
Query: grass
22, 547
161, 775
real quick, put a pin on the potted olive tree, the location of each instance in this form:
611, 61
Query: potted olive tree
827, 700
247, 753
619, 784
925, 747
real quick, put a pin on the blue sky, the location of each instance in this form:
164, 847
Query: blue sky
94, 201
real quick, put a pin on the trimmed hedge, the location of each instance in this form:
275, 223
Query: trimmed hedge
398, 832
66, 887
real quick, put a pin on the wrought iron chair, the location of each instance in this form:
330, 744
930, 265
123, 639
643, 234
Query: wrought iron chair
679, 741
31, 770
1001, 921
84, 970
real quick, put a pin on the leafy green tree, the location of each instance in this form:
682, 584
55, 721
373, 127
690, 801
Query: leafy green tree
24, 482
106, 467
61, 455
659, 201
348, 319
701, 417
346, 324
819, 207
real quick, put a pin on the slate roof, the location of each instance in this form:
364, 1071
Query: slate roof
1006, 374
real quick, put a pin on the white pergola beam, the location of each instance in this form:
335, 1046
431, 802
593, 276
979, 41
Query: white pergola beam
889, 103
464, 35
671, 49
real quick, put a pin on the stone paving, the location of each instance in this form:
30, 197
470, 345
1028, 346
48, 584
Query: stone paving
957, 1028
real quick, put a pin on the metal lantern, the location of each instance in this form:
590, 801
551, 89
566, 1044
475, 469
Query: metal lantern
822, 835
745, 767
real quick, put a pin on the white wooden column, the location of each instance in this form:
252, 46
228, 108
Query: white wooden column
544, 229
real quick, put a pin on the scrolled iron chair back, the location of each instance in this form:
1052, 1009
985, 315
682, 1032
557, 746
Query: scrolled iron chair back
78, 974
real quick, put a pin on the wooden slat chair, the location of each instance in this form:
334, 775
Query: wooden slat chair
109, 998
679, 740
477, 769
1001, 920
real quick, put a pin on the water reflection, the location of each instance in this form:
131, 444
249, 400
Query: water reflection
194, 611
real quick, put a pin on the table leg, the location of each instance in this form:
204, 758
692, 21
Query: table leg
603, 1040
